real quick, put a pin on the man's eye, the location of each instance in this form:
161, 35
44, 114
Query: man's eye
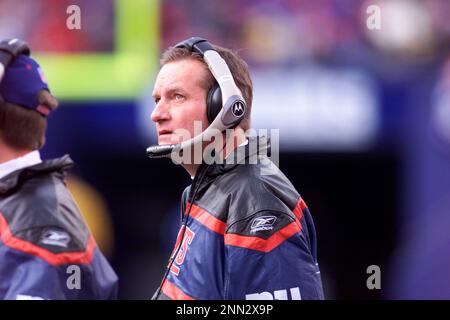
179, 97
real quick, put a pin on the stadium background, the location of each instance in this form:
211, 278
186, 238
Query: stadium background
364, 119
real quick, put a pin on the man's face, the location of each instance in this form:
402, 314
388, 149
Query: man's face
180, 99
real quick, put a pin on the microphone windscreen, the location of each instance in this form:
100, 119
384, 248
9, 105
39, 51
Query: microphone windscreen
161, 151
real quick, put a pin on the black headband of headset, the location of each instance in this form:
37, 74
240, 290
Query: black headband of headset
195, 44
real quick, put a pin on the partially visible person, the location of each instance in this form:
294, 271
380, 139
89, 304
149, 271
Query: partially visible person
46, 249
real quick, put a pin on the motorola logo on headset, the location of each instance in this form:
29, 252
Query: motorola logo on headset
238, 109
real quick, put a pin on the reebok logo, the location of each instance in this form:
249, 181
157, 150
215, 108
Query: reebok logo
263, 223
55, 238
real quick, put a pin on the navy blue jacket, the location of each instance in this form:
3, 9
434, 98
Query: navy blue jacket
246, 234
46, 250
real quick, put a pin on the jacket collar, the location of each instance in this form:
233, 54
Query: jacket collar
59, 165
28, 160
245, 154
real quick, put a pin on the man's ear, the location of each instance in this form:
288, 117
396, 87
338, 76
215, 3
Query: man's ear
45, 98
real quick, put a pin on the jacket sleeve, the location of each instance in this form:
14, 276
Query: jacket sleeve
24, 276
271, 255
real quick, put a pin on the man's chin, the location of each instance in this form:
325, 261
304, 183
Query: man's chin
169, 138
166, 141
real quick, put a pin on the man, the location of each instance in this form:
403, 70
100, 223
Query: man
244, 234
46, 250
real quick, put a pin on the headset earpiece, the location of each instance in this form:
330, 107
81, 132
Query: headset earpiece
213, 102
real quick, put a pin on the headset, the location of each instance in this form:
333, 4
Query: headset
10, 49
225, 105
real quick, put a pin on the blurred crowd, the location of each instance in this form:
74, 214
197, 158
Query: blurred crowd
43, 24
288, 32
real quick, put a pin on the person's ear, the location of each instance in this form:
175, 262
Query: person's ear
45, 98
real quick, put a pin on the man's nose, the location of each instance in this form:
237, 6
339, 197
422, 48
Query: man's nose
161, 112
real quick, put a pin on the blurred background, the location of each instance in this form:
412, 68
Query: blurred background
364, 119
